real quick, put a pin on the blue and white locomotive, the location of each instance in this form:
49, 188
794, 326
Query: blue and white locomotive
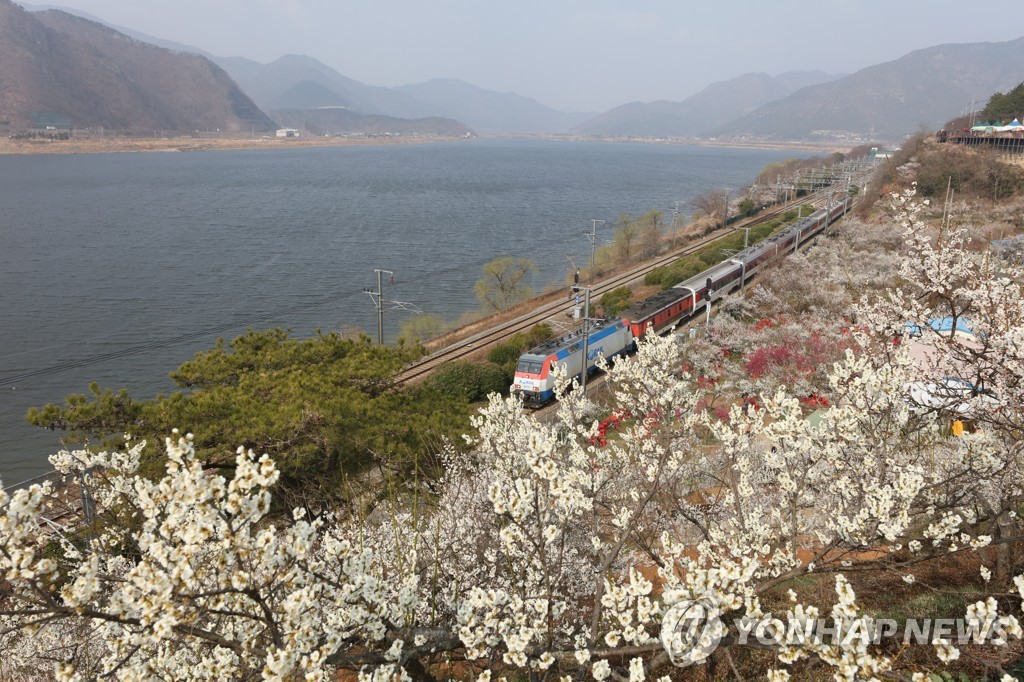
535, 373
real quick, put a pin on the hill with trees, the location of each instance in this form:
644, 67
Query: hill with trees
1005, 106
64, 69
922, 89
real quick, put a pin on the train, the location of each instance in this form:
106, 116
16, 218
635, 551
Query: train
535, 375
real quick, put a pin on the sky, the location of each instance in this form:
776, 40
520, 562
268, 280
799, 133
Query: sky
575, 55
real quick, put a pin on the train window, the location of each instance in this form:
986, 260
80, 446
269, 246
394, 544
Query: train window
528, 367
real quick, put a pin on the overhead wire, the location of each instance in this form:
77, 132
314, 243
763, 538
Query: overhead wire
207, 331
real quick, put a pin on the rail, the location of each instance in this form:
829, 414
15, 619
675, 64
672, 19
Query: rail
485, 338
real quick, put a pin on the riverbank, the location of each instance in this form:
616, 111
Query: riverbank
812, 147
96, 145
102, 145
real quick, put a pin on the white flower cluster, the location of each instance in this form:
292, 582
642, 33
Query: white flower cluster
208, 589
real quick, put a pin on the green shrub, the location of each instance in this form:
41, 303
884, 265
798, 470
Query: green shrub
504, 353
519, 343
540, 333
655, 276
471, 381
615, 301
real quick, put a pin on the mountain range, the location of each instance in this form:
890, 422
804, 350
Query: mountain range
922, 89
694, 116
301, 82
51, 61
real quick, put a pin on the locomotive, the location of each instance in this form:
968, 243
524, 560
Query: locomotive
534, 377
535, 372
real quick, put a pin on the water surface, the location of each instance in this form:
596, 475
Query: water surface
147, 258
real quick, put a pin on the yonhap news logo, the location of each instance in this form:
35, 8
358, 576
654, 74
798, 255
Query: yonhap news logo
691, 631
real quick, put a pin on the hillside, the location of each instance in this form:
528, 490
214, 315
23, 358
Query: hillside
886, 102
90, 75
719, 102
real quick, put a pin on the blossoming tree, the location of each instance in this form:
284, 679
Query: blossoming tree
551, 553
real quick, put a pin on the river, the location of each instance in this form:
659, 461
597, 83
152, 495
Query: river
116, 268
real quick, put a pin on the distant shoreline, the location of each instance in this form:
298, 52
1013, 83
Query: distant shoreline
191, 144
825, 148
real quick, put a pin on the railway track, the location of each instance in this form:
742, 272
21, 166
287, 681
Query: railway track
475, 343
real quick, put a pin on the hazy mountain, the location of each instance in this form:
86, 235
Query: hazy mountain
489, 111
341, 121
886, 102
273, 85
709, 108
307, 95
298, 82
52, 62
132, 33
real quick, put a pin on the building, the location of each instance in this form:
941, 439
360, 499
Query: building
287, 132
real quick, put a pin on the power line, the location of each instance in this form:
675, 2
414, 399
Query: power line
191, 336
208, 331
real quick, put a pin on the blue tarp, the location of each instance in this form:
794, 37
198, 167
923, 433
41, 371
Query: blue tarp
943, 324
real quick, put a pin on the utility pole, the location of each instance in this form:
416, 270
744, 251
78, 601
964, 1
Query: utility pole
586, 335
725, 210
707, 322
378, 302
799, 217
675, 214
847, 204
592, 235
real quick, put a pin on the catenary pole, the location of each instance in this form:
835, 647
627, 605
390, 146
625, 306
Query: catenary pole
378, 302
592, 236
586, 339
